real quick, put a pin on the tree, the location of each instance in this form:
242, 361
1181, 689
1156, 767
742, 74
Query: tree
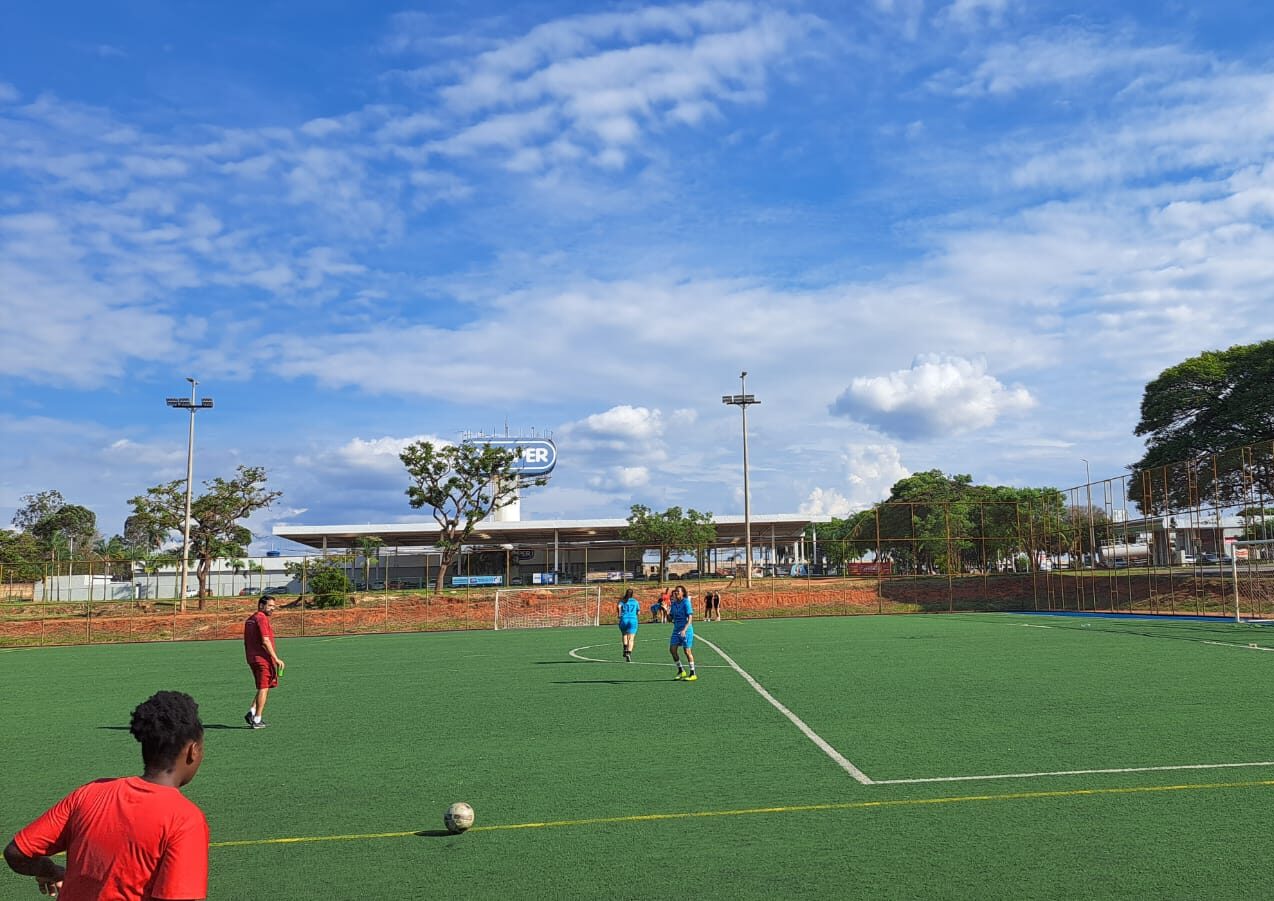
20, 555
462, 484
144, 534
36, 507
116, 553
70, 527
1196, 416
672, 532
215, 530
367, 551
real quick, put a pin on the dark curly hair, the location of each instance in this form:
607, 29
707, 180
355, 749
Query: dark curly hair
164, 723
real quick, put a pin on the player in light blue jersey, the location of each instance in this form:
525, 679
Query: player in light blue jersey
627, 611
683, 632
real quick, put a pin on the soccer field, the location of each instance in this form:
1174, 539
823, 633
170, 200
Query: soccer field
963, 756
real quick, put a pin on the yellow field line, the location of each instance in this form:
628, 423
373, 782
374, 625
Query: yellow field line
753, 811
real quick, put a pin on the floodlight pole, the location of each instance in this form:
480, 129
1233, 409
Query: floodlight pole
193, 406
1092, 535
742, 400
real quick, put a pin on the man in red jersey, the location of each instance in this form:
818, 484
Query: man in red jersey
131, 839
258, 647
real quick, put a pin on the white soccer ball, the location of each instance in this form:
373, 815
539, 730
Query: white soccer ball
458, 818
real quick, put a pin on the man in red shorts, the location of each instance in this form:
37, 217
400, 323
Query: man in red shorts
258, 647
137, 837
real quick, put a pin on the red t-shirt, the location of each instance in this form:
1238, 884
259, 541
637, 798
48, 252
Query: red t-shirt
256, 629
125, 840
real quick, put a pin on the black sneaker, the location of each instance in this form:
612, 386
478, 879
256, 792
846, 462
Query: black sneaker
247, 718
627, 657
260, 725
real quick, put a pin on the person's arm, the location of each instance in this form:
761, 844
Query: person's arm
48, 874
269, 646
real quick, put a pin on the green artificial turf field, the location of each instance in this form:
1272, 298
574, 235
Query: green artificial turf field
997, 756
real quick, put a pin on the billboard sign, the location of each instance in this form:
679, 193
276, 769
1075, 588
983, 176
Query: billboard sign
473, 581
537, 456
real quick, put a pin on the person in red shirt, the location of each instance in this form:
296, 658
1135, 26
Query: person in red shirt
130, 839
265, 663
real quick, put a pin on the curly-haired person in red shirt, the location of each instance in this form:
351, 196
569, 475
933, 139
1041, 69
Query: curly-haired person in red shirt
134, 838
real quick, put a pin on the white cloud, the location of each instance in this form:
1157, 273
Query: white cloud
826, 502
624, 421
1067, 58
608, 80
377, 454
621, 478
937, 396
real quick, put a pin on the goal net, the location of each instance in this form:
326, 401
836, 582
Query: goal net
540, 608
1253, 569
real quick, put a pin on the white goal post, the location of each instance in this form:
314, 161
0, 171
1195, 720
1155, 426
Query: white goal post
547, 606
1254, 579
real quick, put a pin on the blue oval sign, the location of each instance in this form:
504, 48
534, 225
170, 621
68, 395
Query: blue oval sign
536, 456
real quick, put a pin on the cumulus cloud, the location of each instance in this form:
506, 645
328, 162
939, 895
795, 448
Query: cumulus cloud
826, 502
621, 478
624, 421
938, 395
870, 471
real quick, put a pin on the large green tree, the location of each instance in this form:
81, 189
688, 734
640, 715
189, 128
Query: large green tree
36, 507
64, 531
20, 557
462, 484
1208, 424
216, 530
937, 523
673, 531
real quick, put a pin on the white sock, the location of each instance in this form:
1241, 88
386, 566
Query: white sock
255, 718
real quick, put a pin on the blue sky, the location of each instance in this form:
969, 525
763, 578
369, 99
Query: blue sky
955, 235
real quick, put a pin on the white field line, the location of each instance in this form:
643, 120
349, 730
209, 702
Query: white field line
667, 661
1241, 647
809, 733
1130, 769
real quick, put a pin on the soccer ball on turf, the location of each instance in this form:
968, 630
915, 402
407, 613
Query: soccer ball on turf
458, 818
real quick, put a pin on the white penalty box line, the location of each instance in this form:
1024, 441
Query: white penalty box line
859, 776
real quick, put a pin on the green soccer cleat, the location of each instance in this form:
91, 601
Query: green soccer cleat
680, 675
693, 677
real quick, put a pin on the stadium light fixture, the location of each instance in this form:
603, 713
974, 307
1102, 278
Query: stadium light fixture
743, 400
193, 405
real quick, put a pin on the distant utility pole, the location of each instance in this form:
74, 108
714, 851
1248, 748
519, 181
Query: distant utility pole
743, 400
193, 406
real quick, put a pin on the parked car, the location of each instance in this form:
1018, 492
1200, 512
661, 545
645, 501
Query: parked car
277, 590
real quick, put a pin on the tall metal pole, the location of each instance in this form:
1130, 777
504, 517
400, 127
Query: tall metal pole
747, 493
1092, 535
743, 400
193, 406
190, 481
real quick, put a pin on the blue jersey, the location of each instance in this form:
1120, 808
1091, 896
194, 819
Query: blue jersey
681, 613
629, 609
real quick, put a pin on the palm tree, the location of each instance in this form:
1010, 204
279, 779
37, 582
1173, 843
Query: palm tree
367, 548
236, 566
255, 567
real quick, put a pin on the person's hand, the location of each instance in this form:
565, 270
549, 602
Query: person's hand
51, 885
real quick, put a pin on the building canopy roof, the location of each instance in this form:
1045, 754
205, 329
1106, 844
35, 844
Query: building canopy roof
777, 528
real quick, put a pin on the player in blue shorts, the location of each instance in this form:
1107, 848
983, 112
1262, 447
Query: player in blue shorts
627, 611
683, 632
